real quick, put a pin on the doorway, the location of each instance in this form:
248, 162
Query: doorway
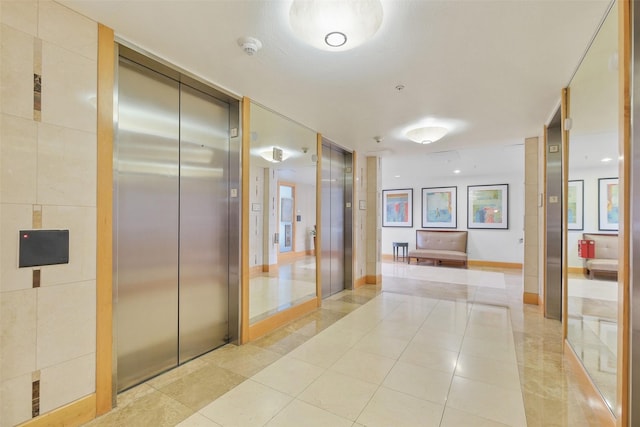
171, 223
286, 229
336, 254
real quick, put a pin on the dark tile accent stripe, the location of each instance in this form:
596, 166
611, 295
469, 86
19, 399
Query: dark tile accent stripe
37, 80
36, 278
35, 398
37, 92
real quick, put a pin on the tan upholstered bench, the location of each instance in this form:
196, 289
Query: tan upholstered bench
440, 246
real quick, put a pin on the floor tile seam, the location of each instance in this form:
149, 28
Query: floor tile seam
327, 410
515, 365
519, 388
382, 386
174, 400
291, 399
410, 341
446, 401
524, 410
475, 416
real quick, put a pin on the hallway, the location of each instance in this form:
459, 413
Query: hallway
458, 351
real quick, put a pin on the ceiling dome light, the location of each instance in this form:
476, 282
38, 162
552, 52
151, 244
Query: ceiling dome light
335, 39
427, 134
335, 24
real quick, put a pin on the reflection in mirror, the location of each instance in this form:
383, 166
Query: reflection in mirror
592, 213
282, 218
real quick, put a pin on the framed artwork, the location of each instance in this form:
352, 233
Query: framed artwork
488, 206
439, 207
397, 208
575, 205
608, 204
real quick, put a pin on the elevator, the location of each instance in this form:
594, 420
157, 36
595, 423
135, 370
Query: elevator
337, 184
553, 216
172, 228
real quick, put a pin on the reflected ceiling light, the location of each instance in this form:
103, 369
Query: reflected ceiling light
427, 134
335, 24
396, 176
606, 159
275, 155
457, 171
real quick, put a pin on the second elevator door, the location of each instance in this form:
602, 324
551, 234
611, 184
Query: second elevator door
171, 223
333, 216
204, 223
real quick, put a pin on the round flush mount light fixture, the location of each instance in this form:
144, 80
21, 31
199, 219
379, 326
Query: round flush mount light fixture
426, 134
335, 39
335, 25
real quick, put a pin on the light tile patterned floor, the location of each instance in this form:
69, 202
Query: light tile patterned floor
375, 368
414, 352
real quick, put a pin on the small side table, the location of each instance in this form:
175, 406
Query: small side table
396, 251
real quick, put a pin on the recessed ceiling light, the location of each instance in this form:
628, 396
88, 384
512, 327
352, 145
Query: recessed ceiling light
396, 176
457, 171
606, 159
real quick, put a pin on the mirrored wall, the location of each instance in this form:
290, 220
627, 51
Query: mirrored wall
282, 213
592, 210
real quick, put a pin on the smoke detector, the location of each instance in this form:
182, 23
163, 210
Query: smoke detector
250, 45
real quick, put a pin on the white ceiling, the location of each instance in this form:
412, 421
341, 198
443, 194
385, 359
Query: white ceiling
490, 70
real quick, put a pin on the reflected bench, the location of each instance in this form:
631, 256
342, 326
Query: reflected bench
605, 261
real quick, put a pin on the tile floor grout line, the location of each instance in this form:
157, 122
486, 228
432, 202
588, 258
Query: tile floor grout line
453, 374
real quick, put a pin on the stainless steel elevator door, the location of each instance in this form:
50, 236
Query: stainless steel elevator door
333, 211
204, 223
146, 223
553, 211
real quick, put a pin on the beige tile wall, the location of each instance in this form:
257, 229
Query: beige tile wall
48, 165
374, 221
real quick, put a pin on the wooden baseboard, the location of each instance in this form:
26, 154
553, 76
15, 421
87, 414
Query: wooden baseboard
291, 256
531, 298
373, 280
598, 405
360, 282
74, 414
576, 270
494, 264
265, 326
271, 268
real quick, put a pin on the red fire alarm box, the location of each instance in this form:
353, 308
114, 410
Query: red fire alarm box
586, 248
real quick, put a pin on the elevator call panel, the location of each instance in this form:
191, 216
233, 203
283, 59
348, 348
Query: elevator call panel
43, 247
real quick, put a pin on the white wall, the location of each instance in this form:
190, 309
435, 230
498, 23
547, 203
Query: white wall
305, 203
485, 245
590, 177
